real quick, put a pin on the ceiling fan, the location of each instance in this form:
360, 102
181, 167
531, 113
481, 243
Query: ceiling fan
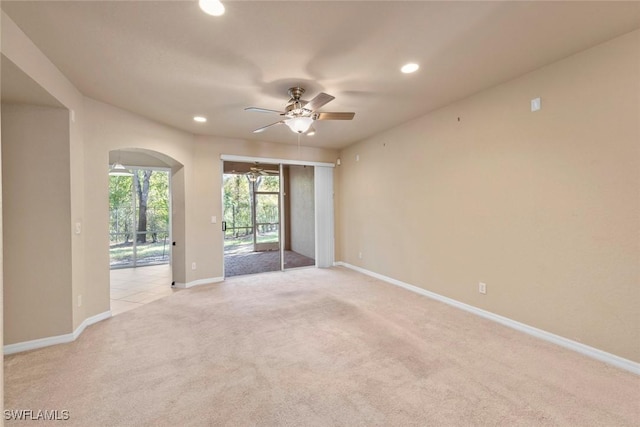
256, 171
259, 171
299, 114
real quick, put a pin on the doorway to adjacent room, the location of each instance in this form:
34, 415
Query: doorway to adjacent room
262, 232
139, 230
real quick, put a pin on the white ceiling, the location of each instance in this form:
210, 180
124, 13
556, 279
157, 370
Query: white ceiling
168, 61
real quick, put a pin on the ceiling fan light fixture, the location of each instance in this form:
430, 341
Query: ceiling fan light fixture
410, 68
212, 7
299, 124
117, 169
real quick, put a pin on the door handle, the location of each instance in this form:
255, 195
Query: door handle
224, 225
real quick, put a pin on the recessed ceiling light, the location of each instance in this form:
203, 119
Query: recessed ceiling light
199, 119
409, 68
212, 7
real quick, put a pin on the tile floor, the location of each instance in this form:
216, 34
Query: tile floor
135, 287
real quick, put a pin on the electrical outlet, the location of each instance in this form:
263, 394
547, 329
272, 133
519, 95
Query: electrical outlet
482, 288
79, 300
193, 265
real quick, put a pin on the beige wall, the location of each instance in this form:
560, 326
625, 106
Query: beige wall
196, 186
37, 200
18, 48
542, 206
106, 129
97, 129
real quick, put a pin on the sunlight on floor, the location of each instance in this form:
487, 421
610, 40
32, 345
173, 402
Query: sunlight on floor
135, 287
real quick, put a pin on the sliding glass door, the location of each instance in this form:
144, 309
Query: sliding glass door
267, 214
139, 223
276, 216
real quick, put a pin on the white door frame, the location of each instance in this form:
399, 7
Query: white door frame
247, 159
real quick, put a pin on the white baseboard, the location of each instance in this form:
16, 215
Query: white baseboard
90, 321
592, 352
58, 339
198, 282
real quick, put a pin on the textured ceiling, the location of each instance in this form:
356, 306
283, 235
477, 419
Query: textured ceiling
168, 61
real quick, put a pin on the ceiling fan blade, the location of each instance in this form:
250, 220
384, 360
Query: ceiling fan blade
334, 116
317, 102
263, 128
263, 110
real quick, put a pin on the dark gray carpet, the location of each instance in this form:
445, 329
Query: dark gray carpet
236, 264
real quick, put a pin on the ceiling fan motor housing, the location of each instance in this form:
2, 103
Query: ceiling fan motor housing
295, 93
294, 107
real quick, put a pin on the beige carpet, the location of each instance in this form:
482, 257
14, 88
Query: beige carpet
314, 347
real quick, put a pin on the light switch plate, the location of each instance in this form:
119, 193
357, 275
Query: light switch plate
535, 104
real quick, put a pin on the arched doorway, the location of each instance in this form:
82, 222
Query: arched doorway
140, 227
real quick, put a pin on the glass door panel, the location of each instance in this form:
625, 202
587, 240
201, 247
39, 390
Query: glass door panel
252, 232
121, 214
267, 236
139, 219
238, 217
